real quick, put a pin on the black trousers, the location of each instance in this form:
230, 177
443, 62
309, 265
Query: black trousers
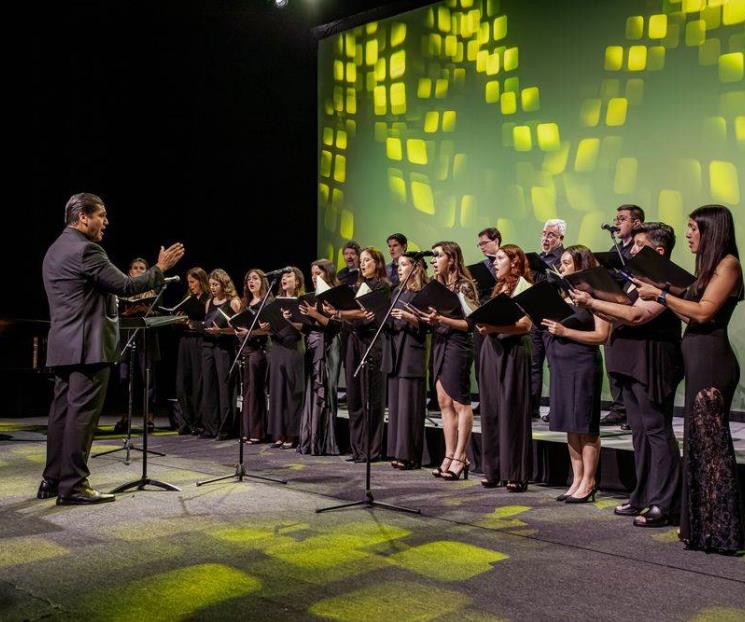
538, 356
656, 454
616, 394
217, 406
79, 393
369, 384
189, 381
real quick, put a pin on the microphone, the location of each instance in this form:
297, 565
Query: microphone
611, 228
278, 272
172, 279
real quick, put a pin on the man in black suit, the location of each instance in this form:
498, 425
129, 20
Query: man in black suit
81, 285
397, 245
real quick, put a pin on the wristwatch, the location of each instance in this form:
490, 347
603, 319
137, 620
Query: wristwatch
662, 298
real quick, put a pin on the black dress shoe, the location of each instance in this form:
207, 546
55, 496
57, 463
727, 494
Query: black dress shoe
627, 509
86, 496
655, 516
47, 489
613, 418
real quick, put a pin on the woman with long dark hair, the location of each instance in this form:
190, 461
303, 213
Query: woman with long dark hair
504, 370
189, 361
217, 355
451, 361
369, 386
712, 508
286, 370
254, 356
405, 363
573, 352
323, 363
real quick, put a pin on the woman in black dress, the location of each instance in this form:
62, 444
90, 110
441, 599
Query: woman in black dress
254, 361
217, 355
573, 351
286, 370
712, 508
504, 370
451, 361
369, 385
189, 361
405, 363
323, 363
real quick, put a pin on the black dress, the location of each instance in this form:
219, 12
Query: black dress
405, 365
254, 409
506, 440
217, 356
189, 367
712, 509
452, 355
368, 385
286, 388
323, 363
576, 378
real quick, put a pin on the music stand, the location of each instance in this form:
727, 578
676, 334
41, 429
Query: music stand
369, 500
240, 468
145, 324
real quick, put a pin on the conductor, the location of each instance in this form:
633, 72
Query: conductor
81, 286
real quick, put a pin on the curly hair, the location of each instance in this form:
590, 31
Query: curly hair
519, 267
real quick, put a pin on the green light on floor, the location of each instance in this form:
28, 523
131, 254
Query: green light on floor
719, 614
27, 550
175, 594
410, 601
447, 560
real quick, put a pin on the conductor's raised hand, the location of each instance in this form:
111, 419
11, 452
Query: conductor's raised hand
169, 257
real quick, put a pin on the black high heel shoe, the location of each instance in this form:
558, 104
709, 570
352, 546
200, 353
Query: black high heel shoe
452, 476
517, 486
588, 497
563, 497
439, 470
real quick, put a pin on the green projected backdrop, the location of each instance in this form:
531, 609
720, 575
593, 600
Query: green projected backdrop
470, 113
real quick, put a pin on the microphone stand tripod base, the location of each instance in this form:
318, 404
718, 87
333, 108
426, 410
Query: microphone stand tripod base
369, 502
240, 474
128, 446
145, 481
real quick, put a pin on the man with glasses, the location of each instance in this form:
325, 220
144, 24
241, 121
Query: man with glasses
628, 218
552, 247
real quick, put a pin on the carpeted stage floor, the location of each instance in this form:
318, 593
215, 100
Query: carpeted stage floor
259, 551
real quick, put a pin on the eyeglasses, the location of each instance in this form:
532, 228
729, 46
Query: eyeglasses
483, 243
549, 235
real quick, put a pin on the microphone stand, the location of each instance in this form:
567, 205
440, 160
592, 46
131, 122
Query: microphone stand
614, 239
240, 468
127, 445
364, 366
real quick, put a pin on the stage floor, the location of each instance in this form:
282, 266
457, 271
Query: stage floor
259, 551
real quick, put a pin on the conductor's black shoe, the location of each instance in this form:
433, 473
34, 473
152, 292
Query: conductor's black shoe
47, 489
627, 509
86, 496
613, 418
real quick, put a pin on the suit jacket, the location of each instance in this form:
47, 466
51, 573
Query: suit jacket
392, 273
81, 285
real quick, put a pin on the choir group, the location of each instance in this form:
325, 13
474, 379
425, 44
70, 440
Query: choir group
290, 370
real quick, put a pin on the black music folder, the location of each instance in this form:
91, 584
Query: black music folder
340, 297
434, 294
499, 311
599, 283
377, 301
485, 280
536, 263
242, 319
293, 306
543, 302
609, 259
272, 314
652, 268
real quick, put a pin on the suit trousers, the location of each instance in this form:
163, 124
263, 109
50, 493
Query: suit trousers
656, 453
189, 381
79, 394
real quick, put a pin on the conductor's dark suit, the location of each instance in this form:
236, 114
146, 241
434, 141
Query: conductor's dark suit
81, 285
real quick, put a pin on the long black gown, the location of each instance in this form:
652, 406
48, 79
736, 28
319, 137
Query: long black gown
367, 385
189, 367
452, 355
405, 365
217, 354
323, 363
286, 388
506, 440
576, 378
712, 509
254, 411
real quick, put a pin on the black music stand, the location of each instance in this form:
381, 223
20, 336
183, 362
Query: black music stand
369, 500
145, 324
